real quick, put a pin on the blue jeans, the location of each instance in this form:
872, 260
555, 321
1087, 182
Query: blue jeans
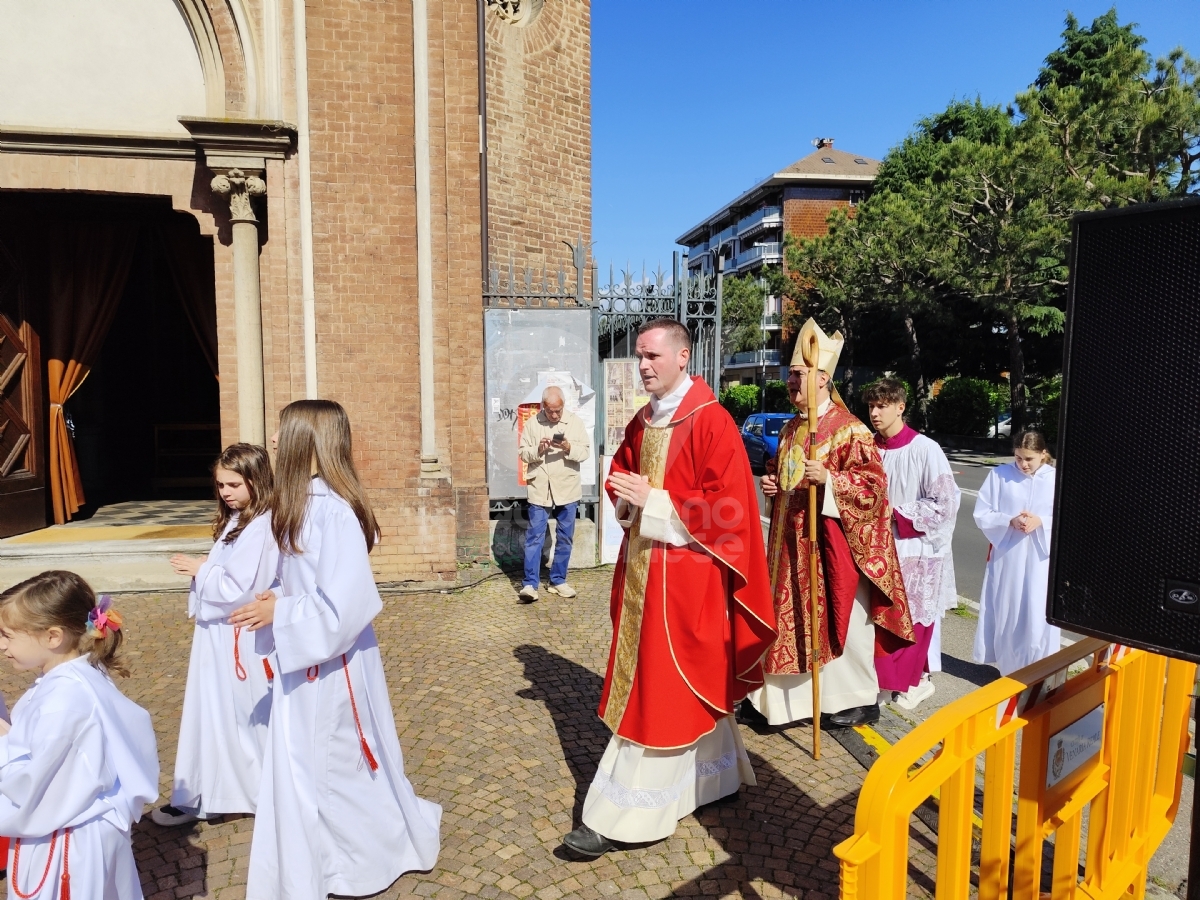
535, 537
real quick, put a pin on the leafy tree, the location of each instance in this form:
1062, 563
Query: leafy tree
968, 228
740, 400
963, 406
1127, 127
1007, 211
743, 301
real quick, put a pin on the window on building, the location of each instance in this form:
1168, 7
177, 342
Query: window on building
857, 197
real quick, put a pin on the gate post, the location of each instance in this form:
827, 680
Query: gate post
718, 345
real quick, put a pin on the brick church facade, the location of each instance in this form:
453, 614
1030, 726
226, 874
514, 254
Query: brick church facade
341, 188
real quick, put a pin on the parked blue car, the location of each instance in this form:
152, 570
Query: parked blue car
760, 436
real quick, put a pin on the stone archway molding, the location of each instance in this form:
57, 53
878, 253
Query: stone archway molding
204, 35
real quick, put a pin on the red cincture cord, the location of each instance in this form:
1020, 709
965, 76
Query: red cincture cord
238, 669
65, 882
312, 672
267, 668
362, 740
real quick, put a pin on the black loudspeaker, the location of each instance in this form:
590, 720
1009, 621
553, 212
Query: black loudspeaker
1125, 555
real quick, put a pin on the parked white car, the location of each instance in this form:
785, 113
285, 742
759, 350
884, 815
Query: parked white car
1001, 427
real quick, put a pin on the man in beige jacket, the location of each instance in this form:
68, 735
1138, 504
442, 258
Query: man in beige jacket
553, 444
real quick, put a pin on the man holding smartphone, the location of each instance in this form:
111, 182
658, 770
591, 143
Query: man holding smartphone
553, 444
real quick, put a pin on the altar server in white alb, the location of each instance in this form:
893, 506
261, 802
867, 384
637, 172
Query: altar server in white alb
80, 761
1015, 510
227, 702
924, 499
336, 814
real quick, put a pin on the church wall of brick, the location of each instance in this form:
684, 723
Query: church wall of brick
539, 138
360, 69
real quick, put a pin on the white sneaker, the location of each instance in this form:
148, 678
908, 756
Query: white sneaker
169, 817
528, 594
913, 697
563, 590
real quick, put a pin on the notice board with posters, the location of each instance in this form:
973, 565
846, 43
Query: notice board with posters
526, 350
624, 395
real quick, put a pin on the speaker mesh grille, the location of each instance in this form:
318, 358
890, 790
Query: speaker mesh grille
1127, 516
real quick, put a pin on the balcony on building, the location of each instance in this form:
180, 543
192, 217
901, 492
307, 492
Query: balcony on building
759, 255
760, 220
772, 314
724, 236
751, 358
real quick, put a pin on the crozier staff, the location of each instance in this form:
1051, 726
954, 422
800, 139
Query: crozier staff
863, 605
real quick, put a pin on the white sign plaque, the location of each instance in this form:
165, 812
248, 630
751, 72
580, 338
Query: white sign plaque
1075, 745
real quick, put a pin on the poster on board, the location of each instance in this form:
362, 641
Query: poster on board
520, 346
611, 532
624, 395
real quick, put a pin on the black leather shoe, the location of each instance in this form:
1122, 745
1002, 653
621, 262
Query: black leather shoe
747, 714
586, 842
859, 715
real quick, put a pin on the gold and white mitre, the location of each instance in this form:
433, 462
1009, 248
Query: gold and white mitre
829, 348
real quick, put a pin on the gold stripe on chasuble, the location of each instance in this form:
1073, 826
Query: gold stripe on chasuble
653, 464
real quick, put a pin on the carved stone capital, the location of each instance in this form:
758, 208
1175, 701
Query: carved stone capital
239, 187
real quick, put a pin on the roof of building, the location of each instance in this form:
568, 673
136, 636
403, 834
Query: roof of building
828, 163
825, 165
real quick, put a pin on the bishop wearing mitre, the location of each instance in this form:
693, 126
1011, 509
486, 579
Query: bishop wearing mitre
862, 605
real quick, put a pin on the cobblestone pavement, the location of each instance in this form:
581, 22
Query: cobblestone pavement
495, 705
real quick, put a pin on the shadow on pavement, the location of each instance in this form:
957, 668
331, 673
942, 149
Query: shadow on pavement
976, 674
774, 832
571, 693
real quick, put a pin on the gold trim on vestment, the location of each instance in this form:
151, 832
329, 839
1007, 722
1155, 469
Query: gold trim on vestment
652, 462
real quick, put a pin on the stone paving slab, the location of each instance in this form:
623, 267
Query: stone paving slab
495, 706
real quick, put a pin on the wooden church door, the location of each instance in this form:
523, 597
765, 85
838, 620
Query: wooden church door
22, 467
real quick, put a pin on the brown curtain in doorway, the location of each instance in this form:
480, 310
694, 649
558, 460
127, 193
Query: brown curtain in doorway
190, 262
88, 267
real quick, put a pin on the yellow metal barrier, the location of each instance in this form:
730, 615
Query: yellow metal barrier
1109, 741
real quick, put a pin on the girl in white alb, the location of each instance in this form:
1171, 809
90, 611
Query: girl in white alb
80, 761
227, 702
336, 814
1015, 510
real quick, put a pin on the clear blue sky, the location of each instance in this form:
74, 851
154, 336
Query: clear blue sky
693, 101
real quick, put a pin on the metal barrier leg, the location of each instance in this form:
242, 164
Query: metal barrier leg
954, 833
996, 851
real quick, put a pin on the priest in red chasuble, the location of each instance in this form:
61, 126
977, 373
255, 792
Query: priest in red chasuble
863, 606
691, 608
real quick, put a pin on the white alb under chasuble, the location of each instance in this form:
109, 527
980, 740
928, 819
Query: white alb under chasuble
639, 793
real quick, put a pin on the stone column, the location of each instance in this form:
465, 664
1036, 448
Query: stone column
239, 186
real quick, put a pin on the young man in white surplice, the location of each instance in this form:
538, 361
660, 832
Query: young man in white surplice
924, 499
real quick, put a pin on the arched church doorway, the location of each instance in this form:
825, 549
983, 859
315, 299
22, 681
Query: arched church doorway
116, 296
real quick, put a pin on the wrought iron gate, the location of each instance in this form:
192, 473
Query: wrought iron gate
623, 305
618, 309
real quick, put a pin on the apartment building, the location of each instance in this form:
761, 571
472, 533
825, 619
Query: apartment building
748, 232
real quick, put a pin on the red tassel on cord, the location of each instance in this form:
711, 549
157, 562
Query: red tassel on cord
267, 667
64, 891
362, 740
